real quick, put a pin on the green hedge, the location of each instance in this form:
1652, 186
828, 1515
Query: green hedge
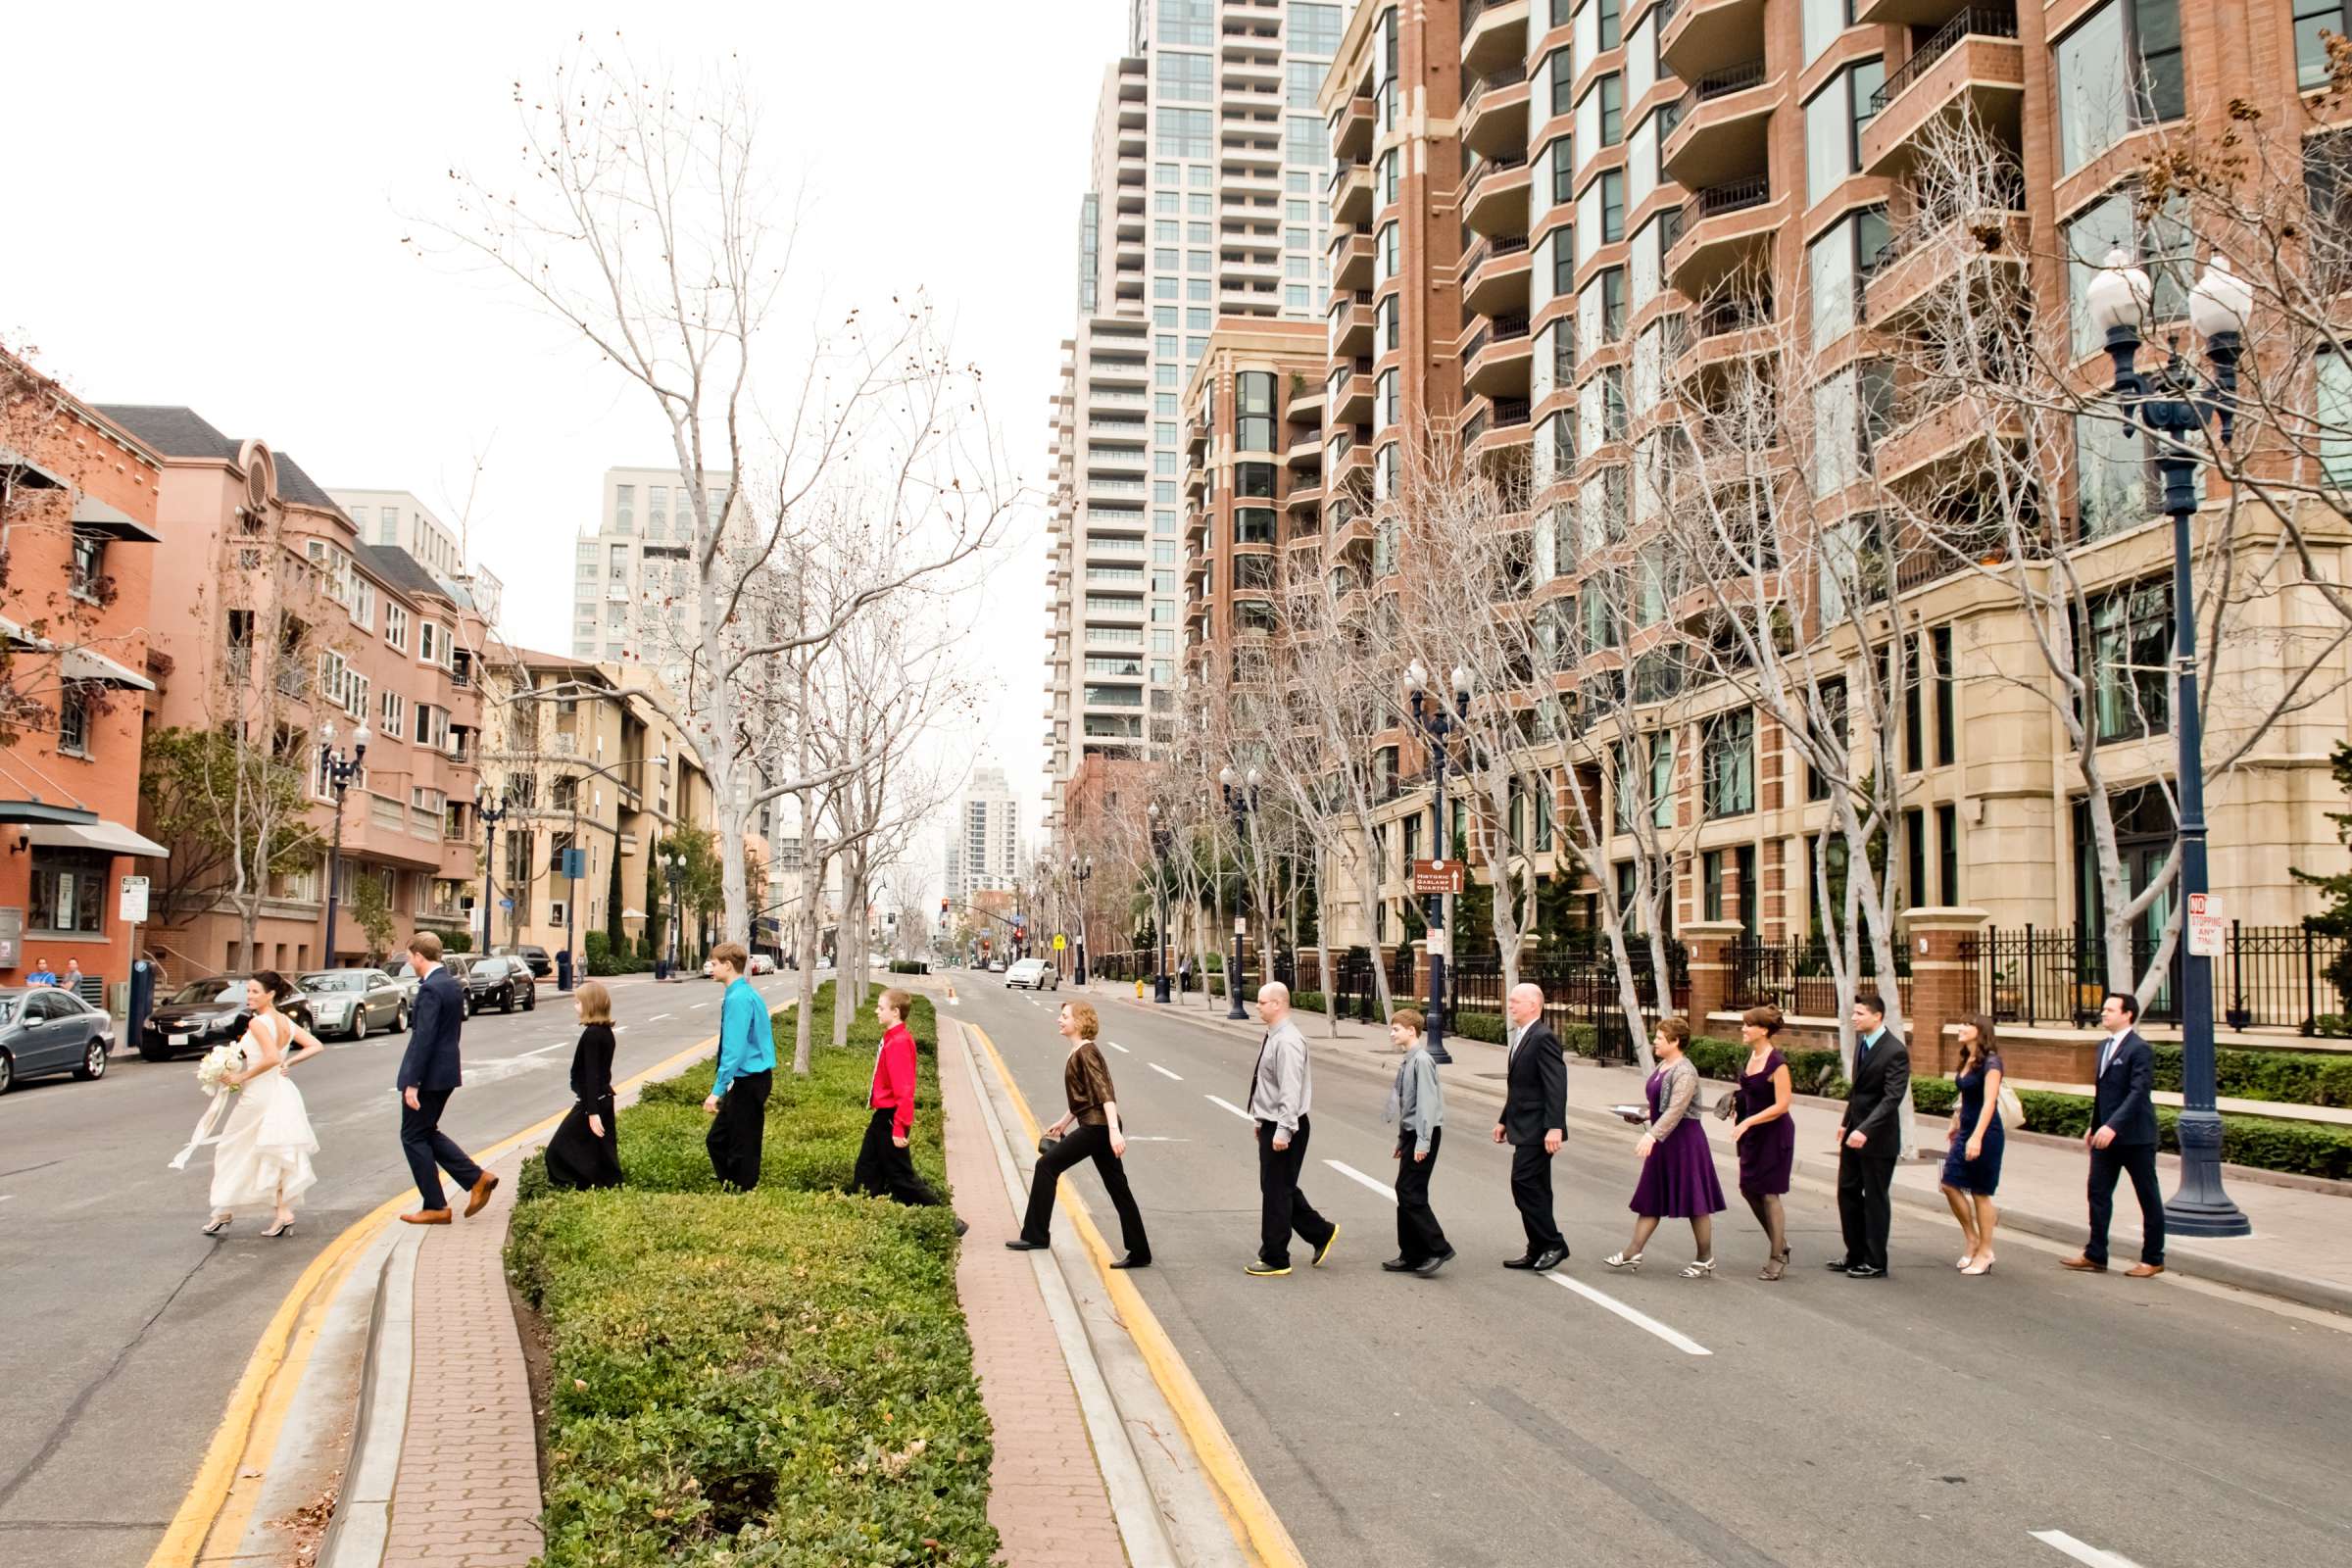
2266, 1143
2297, 1077
908, 966
780, 1376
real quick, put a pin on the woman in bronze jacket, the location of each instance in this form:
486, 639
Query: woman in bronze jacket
1091, 1131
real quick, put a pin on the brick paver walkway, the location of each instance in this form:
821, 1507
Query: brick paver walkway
468, 1489
1046, 1494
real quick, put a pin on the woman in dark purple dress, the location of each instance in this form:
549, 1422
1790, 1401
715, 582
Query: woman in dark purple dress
1765, 1134
1677, 1167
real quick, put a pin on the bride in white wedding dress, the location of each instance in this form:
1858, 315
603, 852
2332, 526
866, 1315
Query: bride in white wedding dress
263, 1153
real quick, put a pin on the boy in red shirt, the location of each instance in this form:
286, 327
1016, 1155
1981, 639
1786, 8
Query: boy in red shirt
885, 1169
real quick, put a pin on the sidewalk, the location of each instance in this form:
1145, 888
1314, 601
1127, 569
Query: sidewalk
2301, 1248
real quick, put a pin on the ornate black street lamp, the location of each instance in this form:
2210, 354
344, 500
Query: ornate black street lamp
1080, 870
491, 817
1436, 717
339, 769
2175, 406
1240, 799
1162, 838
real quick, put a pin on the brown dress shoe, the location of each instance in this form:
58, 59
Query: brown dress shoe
2083, 1265
2143, 1271
426, 1216
482, 1189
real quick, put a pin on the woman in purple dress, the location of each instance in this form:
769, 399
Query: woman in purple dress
1677, 1169
1765, 1134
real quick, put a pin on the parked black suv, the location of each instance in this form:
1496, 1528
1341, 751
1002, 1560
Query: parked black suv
491, 980
532, 954
207, 1013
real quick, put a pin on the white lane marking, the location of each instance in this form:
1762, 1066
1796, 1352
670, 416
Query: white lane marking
1355, 1175
1229, 1105
2079, 1550
1115, 1046
659, 1016
1163, 1072
544, 1050
701, 1005
1641, 1320
1139, 1139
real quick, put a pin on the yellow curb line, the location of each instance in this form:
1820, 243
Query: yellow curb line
1255, 1525
247, 1418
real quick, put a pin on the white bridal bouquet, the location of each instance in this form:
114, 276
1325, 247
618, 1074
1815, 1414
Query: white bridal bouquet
214, 1072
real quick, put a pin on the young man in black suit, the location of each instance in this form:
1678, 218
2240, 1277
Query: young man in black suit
1868, 1140
1535, 1121
2123, 1138
429, 1073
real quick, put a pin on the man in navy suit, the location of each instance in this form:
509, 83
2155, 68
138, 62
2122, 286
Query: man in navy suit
2123, 1138
429, 1073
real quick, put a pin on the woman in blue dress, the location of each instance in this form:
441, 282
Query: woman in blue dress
1971, 1170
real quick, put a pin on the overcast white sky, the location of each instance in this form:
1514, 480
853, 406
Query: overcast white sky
207, 208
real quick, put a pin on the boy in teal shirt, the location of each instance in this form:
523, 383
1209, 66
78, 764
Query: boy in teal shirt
747, 1066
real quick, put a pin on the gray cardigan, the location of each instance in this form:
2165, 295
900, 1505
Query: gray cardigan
1417, 1100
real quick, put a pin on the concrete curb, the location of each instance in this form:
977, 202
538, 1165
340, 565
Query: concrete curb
363, 1521
2192, 1264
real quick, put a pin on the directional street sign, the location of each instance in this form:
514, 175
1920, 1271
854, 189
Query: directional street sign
1437, 876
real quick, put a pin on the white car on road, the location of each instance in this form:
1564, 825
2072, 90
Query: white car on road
1032, 974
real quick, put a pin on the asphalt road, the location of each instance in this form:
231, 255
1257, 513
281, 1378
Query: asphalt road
123, 1330
1494, 1417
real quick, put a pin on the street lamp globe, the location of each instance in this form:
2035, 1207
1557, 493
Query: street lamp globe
1462, 680
360, 737
326, 732
2119, 293
1227, 777
1253, 778
2221, 301
1152, 811
1416, 678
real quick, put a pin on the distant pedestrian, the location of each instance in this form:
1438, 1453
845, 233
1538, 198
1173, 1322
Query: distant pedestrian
1281, 1094
430, 1072
1534, 1122
586, 1149
885, 1167
41, 974
1678, 1165
1184, 974
1972, 1166
72, 979
2123, 1139
747, 1071
1417, 1106
1090, 1131
1765, 1135
1868, 1137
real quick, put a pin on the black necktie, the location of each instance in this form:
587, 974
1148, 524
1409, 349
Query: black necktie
1250, 1098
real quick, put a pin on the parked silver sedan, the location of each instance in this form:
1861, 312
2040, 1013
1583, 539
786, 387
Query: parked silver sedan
44, 1030
351, 1002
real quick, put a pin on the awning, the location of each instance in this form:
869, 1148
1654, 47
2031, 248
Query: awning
22, 812
76, 664
94, 515
28, 472
111, 837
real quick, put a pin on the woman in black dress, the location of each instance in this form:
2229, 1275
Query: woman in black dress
586, 1149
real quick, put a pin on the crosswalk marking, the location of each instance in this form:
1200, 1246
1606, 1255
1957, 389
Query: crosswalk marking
1229, 1105
1163, 1072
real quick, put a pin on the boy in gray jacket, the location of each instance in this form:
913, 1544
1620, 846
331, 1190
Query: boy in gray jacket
1417, 1104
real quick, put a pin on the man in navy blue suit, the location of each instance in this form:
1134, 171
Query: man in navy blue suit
429, 1073
2123, 1139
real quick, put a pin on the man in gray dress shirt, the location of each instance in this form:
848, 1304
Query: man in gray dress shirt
1281, 1093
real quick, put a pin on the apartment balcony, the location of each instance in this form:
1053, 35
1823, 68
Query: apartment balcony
1723, 132
1116, 373
1196, 482
1493, 33
1305, 450
1251, 182
1940, 437
1906, 13
1706, 35
1306, 406
1492, 426
1307, 498
1351, 259
1495, 275
1724, 227
1122, 460
1726, 332
1252, 74
1196, 437
1348, 469
1351, 129
1924, 263
1099, 487
1352, 394
1975, 60
1351, 325
1235, 299
1352, 194
1493, 117
1493, 195
1497, 355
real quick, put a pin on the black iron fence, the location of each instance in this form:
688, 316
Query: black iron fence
1795, 977
1580, 989
2266, 977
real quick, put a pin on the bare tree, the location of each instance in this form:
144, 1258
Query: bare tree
648, 227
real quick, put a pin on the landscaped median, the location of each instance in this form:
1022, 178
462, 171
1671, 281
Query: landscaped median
779, 1376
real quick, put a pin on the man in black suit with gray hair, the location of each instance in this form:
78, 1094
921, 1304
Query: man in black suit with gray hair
1534, 1122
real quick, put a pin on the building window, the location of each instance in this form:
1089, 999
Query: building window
67, 895
1303, 142
89, 564
74, 720
1729, 755
2162, 242
1915, 856
2314, 19
1947, 718
1312, 29
1611, 23
1612, 206
1559, 69
1612, 304
1947, 849
1187, 21
1253, 409
1184, 133
1834, 121
2119, 69
2111, 475
1186, 79
2334, 432
2130, 654
1612, 110
1824, 20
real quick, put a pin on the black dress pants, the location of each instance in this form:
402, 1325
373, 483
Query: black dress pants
1419, 1238
2106, 1165
1864, 1205
427, 1146
737, 1131
884, 1170
1531, 1190
1084, 1143
1283, 1210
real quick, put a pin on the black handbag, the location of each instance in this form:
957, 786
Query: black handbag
1046, 1145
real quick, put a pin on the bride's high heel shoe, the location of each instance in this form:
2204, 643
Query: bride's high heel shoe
216, 1225
282, 1228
